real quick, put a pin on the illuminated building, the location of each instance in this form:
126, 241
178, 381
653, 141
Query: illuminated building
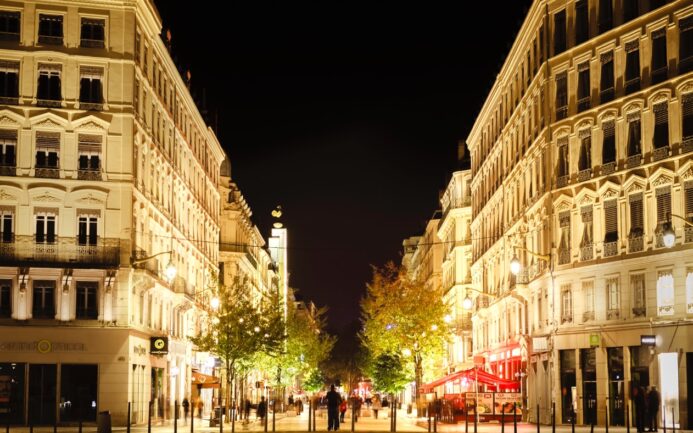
580, 153
107, 173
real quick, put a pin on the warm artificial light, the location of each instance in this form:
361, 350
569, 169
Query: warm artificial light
515, 265
467, 303
215, 303
171, 271
668, 235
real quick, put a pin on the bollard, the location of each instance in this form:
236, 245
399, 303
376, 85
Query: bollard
514, 417
80, 425
673, 421
127, 428
466, 417
572, 421
310, 411
149, 418
274, 411
175, 416
502, 420
353, 415
192, 418
627, 418
553, 417
664, 418
428, 412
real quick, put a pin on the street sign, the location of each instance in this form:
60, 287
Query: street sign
158, 345
648, 340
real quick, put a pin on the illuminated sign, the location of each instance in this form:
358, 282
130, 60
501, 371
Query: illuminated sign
595, 340
648, 340
158, 345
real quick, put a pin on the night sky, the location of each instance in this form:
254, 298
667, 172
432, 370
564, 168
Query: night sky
347, 114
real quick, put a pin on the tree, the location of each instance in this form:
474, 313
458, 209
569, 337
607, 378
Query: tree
248, 323
315, 381
401, 315
348, 358
388, 373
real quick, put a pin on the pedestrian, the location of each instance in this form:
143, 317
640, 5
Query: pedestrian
246, 409
200, 407
376, 405
333, 402
291, 401
186, 409
342, 410
261, 409
299, 406
639, 402
653, 402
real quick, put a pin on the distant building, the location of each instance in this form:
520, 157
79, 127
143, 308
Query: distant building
108, 172
581, 158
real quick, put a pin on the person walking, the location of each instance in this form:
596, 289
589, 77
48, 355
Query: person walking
653, 402
333, 402
200, 407
261, 409
342, 410
246, 409
639, 402
186, 409
376, 406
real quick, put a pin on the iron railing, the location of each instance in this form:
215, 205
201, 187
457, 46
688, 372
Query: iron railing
562, 181
9, 100
63, 252
49, 103
634, 161
91, 43
587, 252
584, 175
688, 234
660, 153
635, 244
50, 40
89, 174
608, 168
610, 249
564, 256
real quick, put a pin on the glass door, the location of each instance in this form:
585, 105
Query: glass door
588, 364
42, 394
616, 386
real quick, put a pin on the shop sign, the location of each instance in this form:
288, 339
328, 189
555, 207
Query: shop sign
648, 340
158, 345
40, 346
540, 344
595, 340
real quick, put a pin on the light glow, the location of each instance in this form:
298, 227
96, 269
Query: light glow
515, 265
171, 271
467, 303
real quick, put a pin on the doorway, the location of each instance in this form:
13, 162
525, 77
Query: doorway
42, 394
588, 364
567, 385
616, 386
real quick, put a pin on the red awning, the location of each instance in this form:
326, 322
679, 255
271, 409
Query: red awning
471, 375
205, 380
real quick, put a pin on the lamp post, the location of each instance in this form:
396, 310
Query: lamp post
468, 303
171, 269
516, 266
668, 234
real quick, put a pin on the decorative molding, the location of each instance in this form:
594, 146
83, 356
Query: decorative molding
662, 179
45, 197
91, 199
609, 193
635, 187
563, 205
90, 126
48, 123
8, 121
586, 199
6, 196
688, 174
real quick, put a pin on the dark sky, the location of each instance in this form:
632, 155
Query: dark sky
347, 114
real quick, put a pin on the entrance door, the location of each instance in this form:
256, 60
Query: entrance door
616, 386
588, 364
42, 393
567, 384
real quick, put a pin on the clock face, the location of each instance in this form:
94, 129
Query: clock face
159, 343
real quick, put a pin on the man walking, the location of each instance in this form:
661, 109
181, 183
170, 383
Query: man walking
261, 409
653, 402
639, 401
333, 402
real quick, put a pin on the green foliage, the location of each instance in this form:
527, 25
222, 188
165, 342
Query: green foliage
315, 381
388, 373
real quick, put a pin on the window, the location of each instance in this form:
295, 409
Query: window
566, 304
606, 85
50, 29
606, 15
631, 10
661, 129
564, 244
663, 204
689, 290
86, 300
87, 233
561, 96
609, 143
93, 33
9, 26
637, 284
45, 228
632, 67
613, 298
665, 293
582, 24
659, 56
586, 244
89, 149
47, 149
585, 161
49, 83
634, 138
8, 149
583, 86
43, 300
686, 45
610, 221
636, 222
9, 82
687, 119
6, 225
559, 32
588, 300
688, 193
5, 300
563, 168
90, 88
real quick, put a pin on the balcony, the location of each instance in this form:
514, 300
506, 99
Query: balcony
561, 112
49, 103
180, 285
536, 269
9, 100
687, 145
91, 43
635, 244
237, 248
562, 181
639, 312
50, 40
8, 170
608, 168
587, 316
65, 252
91, 106
659, 239
610, 249
613, 314
89, 174
587, 252
632, 85
659, 75
660, 153
583, 104
47, 172
634, 161
523, 277
9, 36
584, 175
566, 319
564, 256
606, 95
688, 234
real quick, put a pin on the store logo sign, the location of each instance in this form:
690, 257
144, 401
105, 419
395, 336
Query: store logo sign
158, 345
648, 340
595, 340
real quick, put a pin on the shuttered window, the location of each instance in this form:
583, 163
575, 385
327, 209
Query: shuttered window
606, 15
634, 144
687, 116
609, 143
659, 56
632, 67
561, 95
8, 148
661, 130
89, 148
663, 204
688, 192
686, 45
581, 21
636, 221
47, 149
586, 214
585, 160
611, 220
559, 32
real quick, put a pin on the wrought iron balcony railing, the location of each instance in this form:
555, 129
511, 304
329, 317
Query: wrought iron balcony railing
610, 249
608, 167
587, 252
660, 153
50, 103
688, 234
63, 252
584, 175
564, 256
9, 100
562, 181
47, 172
50, 40
635, 244
634, 161
89, 174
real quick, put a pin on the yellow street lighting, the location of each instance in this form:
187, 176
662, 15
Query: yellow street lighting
516, 266
668, 234
171, 269
467, 303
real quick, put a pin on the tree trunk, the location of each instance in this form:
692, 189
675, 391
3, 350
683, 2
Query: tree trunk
418, 374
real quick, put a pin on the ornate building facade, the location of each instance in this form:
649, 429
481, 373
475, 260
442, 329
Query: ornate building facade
108, 172
581, 159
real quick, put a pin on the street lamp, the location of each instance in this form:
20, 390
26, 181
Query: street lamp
171, 269
668, 234
516, 266
467, 303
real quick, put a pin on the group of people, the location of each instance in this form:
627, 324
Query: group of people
646, 408
199, 404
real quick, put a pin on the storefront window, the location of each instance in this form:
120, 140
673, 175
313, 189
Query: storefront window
568, 389
78, 394
588, 364
42, 387
616, 385
12, 393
